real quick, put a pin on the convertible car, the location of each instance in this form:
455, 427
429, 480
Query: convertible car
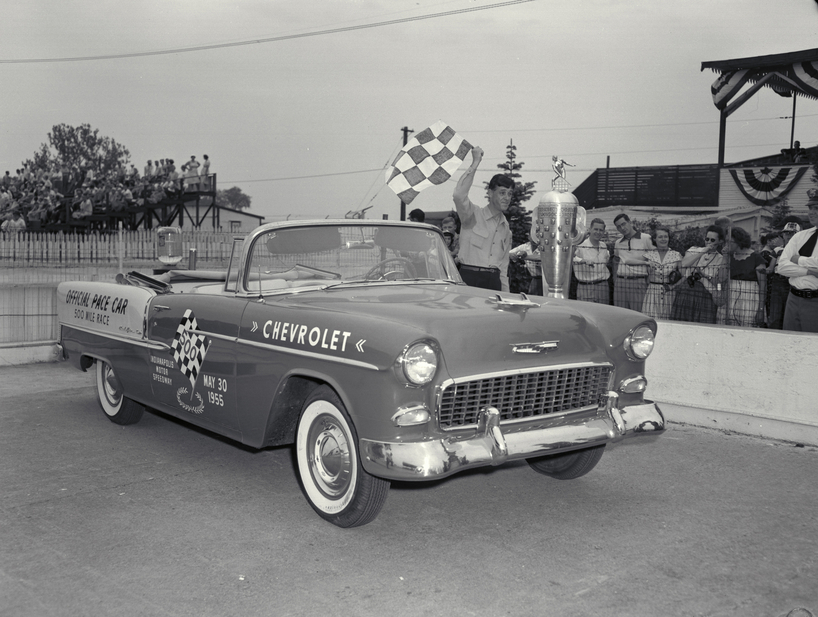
357, 342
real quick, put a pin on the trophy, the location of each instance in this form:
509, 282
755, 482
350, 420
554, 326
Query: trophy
557, 227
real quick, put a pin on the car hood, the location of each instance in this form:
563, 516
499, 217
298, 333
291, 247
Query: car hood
475, 331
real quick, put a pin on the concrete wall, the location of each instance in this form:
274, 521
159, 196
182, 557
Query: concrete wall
753, 381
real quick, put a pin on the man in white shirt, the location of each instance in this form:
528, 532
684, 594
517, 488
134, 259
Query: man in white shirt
632, 271
799, 262
591, 266
485, 237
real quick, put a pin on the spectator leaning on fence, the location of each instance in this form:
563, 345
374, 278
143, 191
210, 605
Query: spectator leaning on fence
631, 268
748, 282
662, 277
799, 262
700, 292
591, 261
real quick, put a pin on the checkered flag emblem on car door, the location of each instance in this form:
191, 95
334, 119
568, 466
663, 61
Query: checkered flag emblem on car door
430, 157
189, 348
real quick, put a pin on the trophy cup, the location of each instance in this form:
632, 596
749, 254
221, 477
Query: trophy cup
557, 227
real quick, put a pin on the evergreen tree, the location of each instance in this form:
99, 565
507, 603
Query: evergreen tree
519, 219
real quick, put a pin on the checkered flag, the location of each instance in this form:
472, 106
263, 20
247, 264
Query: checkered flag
189, 349
430, 157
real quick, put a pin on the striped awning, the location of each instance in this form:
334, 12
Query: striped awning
794, 72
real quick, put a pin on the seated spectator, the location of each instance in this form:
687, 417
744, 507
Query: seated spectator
86, 207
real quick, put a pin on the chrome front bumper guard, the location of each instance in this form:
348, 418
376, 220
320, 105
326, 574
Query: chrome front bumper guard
489, 445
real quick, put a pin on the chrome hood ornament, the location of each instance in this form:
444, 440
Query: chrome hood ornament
534, 347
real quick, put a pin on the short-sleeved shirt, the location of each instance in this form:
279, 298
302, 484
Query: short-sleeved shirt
524, 250
485, 240
596, 255
637, 246
745, 269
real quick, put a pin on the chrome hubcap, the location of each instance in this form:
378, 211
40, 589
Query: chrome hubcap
330, 457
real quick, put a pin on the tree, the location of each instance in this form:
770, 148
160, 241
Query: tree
778, 213
519, 219
233, 198
82, 146
680, 240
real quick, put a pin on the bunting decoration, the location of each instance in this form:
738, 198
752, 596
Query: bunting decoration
727, 86
805, 74
767, 186
429, 158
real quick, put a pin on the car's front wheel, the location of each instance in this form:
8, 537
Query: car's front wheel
334, 481
569, 465
117, 407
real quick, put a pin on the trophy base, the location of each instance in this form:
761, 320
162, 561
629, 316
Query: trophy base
560, 185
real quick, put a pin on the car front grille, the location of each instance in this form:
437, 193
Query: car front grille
523, 395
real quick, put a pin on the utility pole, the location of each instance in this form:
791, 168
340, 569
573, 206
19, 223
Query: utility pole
406, 130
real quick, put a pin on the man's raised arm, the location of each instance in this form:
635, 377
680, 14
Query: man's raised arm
461, 190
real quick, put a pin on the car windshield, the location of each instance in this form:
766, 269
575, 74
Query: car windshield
290, 257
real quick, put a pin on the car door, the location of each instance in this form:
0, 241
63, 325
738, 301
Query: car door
194, 378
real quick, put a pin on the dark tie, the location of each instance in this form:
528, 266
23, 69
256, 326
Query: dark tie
809, 246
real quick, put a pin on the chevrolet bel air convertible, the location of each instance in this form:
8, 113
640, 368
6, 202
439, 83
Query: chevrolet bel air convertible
358, 342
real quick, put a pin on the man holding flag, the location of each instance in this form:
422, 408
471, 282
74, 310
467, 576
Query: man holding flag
485, 236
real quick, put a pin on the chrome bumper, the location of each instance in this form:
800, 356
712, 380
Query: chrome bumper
490, 445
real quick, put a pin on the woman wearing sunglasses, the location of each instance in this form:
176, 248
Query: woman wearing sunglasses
699, 293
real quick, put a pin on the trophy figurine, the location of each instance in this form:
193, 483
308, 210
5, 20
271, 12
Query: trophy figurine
557, 227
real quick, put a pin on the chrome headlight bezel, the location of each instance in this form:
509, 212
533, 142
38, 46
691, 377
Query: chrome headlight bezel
639, 343
419, 362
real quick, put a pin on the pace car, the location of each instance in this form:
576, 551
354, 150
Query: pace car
357, 342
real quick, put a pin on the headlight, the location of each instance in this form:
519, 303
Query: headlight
419, 363
639, 343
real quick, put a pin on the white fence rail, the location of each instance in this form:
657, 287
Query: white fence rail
33, 263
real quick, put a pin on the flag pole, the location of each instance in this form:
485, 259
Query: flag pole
406, 130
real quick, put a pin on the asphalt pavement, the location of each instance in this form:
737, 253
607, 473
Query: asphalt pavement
163, 519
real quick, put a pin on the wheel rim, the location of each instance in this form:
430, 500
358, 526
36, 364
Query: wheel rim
109, 390
110, 385
329, 457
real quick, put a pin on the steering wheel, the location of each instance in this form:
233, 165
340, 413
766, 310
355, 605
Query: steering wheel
406, 268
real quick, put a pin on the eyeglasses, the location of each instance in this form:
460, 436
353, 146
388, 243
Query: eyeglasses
711, 239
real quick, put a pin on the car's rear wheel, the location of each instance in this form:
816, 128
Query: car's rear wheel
569, 465
117, 407
334, 482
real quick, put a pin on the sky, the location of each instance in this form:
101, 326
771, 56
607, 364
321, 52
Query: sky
301, 103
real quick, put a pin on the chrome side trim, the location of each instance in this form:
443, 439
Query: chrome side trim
308, 354
139, 342
221, 337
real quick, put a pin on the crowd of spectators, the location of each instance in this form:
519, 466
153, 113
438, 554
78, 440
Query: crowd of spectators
723, 278
61, 193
